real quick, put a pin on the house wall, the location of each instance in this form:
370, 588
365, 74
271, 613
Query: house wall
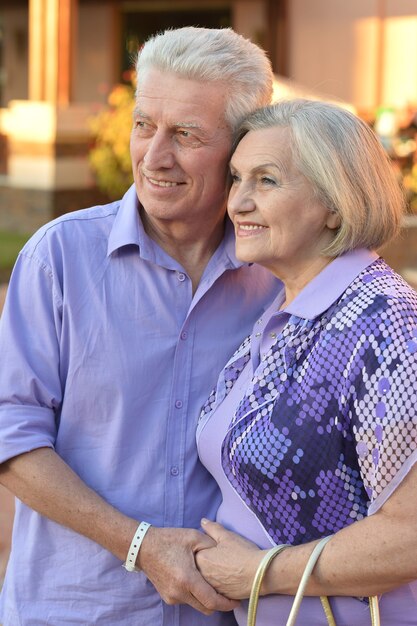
14, 22
345, 50
96, 58
399, 85
250, 20
339, 48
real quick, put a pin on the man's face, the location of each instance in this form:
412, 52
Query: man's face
180, 147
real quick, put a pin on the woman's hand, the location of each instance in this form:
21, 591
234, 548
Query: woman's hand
231, 565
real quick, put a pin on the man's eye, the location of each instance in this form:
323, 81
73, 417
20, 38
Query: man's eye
185, 133
234, 178
140, 124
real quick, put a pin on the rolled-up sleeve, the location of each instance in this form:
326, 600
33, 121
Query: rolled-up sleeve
30, 385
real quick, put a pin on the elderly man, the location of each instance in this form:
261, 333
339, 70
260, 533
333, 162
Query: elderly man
117, 321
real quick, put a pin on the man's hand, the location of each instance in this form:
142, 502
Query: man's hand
167, 557
230, 566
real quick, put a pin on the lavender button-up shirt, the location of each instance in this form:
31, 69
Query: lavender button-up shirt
107, 356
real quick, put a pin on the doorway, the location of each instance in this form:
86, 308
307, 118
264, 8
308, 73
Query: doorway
140, 20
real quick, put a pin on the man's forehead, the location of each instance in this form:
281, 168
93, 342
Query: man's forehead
181, 99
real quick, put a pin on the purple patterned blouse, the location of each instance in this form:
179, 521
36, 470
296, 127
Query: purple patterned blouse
313, 422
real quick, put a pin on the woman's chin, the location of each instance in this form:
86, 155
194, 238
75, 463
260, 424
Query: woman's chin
245, 258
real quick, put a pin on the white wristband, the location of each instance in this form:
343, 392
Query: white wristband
133, 552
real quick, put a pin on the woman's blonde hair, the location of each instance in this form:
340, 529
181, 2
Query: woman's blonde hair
347, 166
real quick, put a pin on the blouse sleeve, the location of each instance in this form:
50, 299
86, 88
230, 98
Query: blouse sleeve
382, 391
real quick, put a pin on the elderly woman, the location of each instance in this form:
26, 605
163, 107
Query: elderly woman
312, 428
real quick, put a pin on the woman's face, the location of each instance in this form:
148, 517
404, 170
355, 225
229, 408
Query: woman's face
278, 221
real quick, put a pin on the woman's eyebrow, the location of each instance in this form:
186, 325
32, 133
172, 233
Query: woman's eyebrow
263, 166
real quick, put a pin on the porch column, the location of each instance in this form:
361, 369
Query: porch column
52, 30
48, 135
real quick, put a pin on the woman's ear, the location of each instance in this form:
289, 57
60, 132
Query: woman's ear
333, 220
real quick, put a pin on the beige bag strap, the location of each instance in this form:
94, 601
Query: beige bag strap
318, 549
257, 581
263, 566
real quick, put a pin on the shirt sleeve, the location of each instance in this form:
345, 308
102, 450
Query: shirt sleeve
383, 397
30, 386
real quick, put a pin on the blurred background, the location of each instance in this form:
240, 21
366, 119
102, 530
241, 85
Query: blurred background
66, 98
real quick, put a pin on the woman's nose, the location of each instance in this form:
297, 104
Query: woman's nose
240, 200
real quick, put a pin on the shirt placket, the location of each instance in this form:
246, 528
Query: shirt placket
177, 426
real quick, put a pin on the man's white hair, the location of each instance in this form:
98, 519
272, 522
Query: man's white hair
213, 55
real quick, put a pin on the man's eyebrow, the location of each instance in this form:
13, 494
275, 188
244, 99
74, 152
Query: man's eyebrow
188, 125
138, 111
195, 125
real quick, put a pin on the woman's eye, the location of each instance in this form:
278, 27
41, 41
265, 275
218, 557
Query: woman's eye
266, 180
234, 178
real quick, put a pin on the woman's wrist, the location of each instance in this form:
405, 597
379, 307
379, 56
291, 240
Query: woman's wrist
270, 578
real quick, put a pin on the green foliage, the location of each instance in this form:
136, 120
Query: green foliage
110, 157
410, 185
10, 246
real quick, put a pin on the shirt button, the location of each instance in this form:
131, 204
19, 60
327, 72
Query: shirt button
273, 335
258, 334
181, 277
178, 404
174, 470
184, 334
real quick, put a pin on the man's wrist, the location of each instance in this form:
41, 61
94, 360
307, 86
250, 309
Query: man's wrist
132, 554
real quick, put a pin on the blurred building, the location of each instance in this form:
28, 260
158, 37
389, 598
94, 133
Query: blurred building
59, 59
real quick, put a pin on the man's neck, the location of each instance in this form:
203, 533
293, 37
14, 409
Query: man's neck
192, 247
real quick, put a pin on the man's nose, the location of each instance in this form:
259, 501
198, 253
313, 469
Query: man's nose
159, 152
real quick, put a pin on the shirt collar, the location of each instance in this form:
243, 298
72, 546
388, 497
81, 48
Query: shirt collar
127, 225
325, 288
229, 245
128, 229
